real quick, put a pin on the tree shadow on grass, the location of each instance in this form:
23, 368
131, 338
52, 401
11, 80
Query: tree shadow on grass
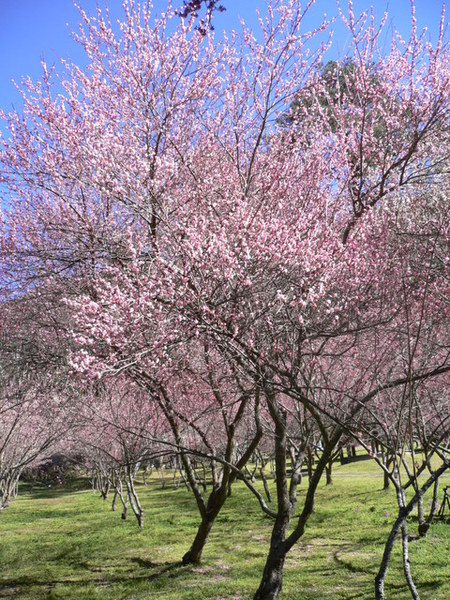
145, 564
175, 569
347, 564
163, 568
17, 587
42, 491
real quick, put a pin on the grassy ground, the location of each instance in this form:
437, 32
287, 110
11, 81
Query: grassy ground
67, 544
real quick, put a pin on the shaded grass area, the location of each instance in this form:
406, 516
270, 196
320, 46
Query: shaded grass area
67, 543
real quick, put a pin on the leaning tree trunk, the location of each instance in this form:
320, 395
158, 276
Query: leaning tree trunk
329, 472
382, 572
386, 474
134, 500
434, 502
262, 474
272, 578
8, 484
114, 501
217, 499
404, 511
423, 526
407, 565
194, 554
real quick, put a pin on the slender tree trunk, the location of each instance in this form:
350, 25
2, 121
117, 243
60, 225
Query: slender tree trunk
400, 523
140, 520
386, 478
124, 500
406, 563
219, 493
265, 484
105, 485
216, 500
381, 575
135, 502
7, 490
434, 502
309, 462
329, 472
423, 525
403, 513
16, 488
5, 501
272, 578
118, 493
162, 479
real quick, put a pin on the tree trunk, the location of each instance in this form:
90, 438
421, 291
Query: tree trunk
434, 502
265, 484
140, 520
381, 575
134, 500
406, 563
309, 462
194, 554
124, 501
272, 579
329, 472
423, 525
386, 478
401, 519
4, 501
104, 491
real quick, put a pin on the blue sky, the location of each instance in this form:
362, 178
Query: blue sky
32, 29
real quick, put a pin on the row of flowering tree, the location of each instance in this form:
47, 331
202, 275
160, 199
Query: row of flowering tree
36, 400
254, 245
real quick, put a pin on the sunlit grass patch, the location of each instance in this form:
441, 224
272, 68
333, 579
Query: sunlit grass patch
68, 544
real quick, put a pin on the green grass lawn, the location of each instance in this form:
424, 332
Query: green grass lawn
68, 544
